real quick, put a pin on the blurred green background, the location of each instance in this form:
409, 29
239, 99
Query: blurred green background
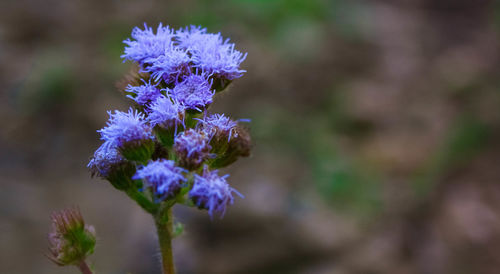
376, 127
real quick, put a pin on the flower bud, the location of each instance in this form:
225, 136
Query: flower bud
109, 164
192, 148
239, 146
228, 139
70, 240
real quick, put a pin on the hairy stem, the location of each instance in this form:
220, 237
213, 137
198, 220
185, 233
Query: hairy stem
164, 226
84, 267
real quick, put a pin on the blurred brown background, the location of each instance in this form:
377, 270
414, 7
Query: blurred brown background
376, 129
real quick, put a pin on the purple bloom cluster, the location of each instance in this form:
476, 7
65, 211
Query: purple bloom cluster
163, 143
168, 53
211, 53
163, 176
185, 58
211, 191
147, 44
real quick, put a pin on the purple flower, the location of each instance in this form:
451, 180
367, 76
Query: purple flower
219, 125
169, 66
106, 157
147, 44
144, 94
125, 127
211, 191
210, 53
192, 148
163, 176
194, 92
166, 113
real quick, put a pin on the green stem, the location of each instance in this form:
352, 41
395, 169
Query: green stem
84, 268
142, 200
164, 228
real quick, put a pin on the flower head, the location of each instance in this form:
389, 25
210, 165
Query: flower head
163, 176
211, 53
110, 164
211, 191
166, 113
194, 92
106, 158
130, 133
219, 126
143, 94
192, 148
125, 127
147, 44
169, 66
70, 240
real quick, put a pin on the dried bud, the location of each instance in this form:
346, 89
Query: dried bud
70, 240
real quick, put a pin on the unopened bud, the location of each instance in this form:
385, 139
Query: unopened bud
239, 145
70, 240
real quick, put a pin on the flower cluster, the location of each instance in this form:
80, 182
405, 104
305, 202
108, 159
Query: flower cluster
167, 148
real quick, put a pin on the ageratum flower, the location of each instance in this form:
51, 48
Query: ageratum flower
70, 240
108, 163
106, 158
211, 191
194, 92
147, 44
211, 53
130, 133
192, 148
125, 127
218, 126
163, 176
170, 66
143, 94
166, 113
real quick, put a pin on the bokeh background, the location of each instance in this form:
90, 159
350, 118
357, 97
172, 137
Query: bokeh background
376, 127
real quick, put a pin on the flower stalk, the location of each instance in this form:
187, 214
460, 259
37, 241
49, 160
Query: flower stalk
164, 228
84, 268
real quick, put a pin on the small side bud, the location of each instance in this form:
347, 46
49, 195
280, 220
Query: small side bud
192, 148
109, 164
71, 240
239, 145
